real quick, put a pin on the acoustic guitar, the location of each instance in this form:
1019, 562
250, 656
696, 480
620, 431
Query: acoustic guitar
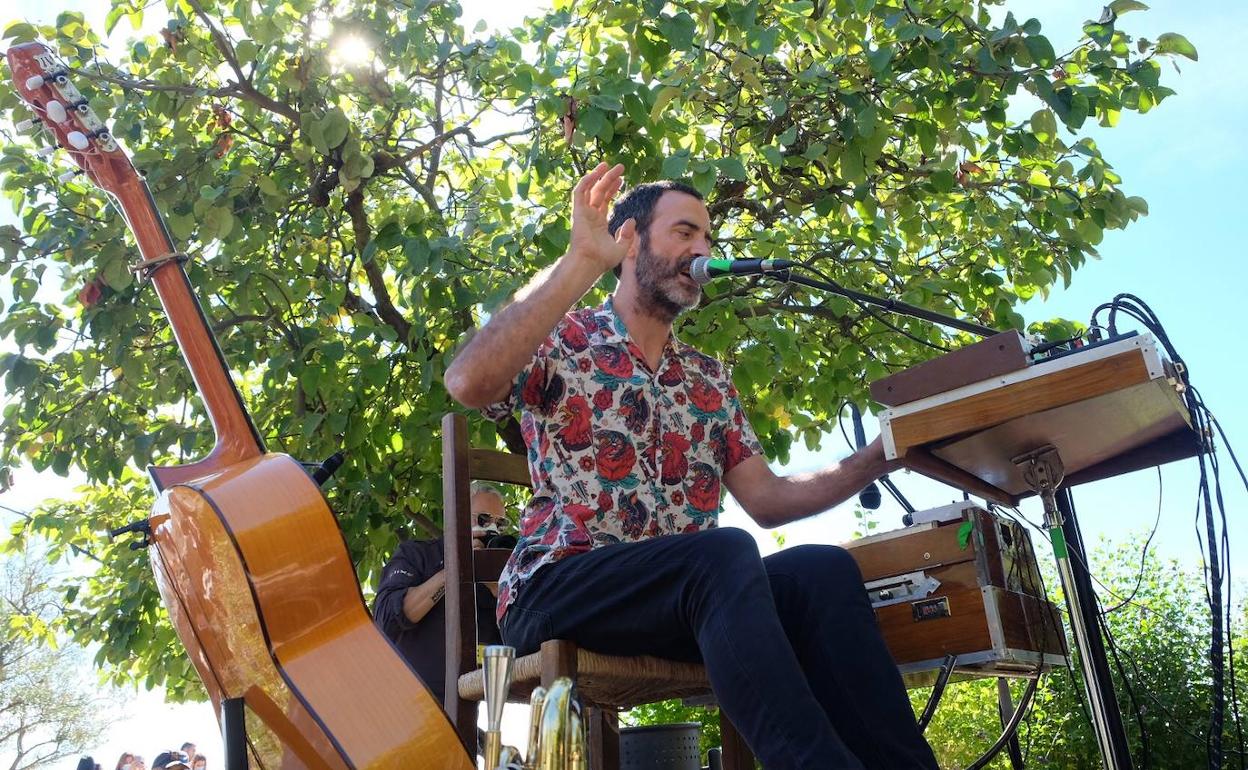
247, 555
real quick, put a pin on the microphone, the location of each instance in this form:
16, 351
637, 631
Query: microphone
704, 269
870, 497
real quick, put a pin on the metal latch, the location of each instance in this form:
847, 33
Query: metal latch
909, 587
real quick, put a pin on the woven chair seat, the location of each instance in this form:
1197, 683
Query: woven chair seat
604, 680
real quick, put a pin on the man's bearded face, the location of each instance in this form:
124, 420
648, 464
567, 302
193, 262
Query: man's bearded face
663, 283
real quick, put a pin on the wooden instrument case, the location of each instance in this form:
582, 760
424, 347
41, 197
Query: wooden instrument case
961, 581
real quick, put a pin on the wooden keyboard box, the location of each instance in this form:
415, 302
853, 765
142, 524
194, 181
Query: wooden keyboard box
960, 581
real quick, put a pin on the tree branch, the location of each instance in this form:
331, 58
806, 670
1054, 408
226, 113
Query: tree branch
376, 281
243, 87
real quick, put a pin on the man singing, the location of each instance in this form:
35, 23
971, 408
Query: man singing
630, 433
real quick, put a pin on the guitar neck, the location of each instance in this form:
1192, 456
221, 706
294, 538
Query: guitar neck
64, 113
236, 436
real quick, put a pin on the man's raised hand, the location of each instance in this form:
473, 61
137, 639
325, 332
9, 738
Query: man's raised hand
591, 201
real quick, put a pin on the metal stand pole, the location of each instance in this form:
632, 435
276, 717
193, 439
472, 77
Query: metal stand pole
1005, 706
234, 733
1044, 472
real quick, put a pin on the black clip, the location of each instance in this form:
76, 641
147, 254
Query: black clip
142, 526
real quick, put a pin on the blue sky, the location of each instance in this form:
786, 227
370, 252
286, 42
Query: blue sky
1185, 259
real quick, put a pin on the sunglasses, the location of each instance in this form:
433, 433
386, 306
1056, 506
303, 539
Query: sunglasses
488, 521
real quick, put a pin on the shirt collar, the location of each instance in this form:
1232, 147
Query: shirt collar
614, 330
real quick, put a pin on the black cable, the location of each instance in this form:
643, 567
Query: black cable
1143, 551
938, 691
1218, 570
1023, 706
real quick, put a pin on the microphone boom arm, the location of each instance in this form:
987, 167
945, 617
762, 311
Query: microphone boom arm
891, 305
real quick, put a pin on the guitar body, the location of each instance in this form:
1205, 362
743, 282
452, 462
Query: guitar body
269, 607
247, 555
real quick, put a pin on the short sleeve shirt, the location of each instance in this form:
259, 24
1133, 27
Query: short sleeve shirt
618, 452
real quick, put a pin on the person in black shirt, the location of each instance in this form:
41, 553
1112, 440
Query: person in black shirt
409, 607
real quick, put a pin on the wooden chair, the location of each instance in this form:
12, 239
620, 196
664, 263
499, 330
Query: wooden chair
606, 683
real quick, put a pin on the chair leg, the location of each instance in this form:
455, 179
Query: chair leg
558, 659
737, 754
604, 738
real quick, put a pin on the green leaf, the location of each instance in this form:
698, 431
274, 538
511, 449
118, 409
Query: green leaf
246, 51
674, 166
1044, 125
20, 32
1174, 43
1119, 7
879, 58
592, 121
334, 127
666, 95
964, 534
678, 30
1041, 50
117, 275
852, 165
732, 168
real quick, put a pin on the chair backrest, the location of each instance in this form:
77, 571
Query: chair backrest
461, 465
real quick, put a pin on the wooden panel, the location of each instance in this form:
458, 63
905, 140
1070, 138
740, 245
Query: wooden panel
994, 407
965, 630
1030, 623
999, 354
1085, 433
503, 467
920, 460
884, 558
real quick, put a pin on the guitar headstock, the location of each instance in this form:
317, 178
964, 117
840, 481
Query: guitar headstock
44, 83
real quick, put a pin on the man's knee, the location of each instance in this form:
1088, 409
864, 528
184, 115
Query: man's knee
829, 563
726, 543
721, 554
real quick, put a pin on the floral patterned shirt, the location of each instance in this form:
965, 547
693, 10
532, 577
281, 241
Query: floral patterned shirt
617, 452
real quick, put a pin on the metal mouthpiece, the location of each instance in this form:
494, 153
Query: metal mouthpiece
497, 662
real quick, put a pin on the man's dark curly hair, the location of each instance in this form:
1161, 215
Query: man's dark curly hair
638, 204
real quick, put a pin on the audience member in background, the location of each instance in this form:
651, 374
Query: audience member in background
409, 607
171, 760
188, 749
87, 763
200, 762
125, 761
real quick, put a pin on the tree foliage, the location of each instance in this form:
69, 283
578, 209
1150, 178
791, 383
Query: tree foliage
49, 709
352, 218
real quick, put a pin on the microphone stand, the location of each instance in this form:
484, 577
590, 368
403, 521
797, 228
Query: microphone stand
895, 306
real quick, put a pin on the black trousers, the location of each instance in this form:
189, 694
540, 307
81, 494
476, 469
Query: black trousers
790, 642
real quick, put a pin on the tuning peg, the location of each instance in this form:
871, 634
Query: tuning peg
26, 125
34, 81
56, 111
77, 140
68, 176
44, 152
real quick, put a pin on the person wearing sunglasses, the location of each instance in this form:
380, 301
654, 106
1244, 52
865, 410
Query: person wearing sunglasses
408, 607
